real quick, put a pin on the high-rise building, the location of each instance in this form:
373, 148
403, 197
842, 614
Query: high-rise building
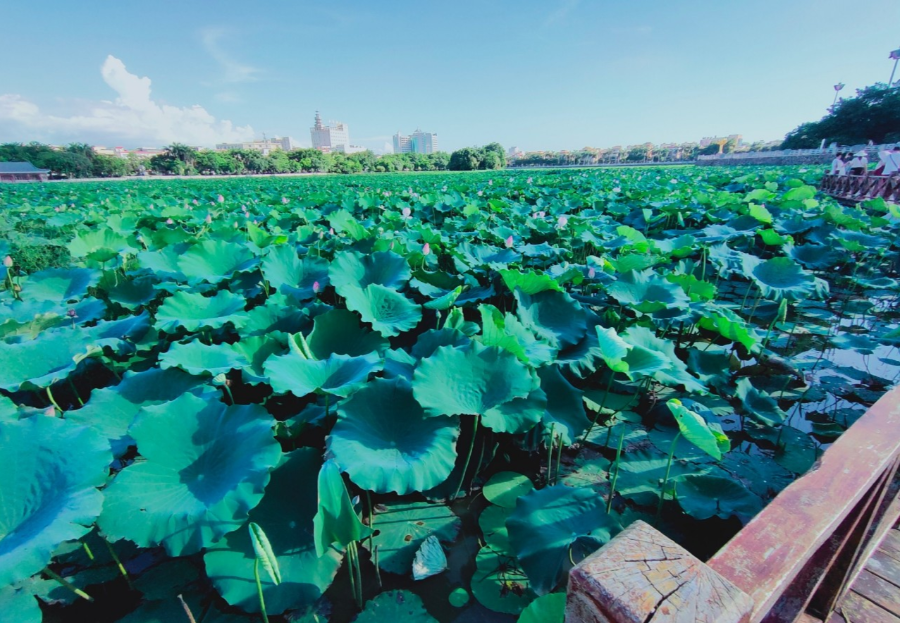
328, 137
418, 142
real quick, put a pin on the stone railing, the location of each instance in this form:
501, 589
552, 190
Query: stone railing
792, 562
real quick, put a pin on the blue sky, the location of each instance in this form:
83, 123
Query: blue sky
539, 74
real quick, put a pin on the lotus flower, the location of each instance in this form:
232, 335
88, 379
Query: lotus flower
562, 221
50, 411
209, 218
316, 287
235, 224
426, 249
195, 202
8, 261
591, 272
617, 189
284, 200
331, 230
490, 182
407, 213
480, 193
509, 242
529, 180
540, 214
220, 199
169, 221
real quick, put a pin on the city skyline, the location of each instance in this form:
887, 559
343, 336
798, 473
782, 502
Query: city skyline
556, 75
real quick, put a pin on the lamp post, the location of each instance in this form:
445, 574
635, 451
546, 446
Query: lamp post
894, 56
837, 89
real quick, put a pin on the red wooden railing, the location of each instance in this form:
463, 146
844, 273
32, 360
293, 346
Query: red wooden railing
792, 562
854, 188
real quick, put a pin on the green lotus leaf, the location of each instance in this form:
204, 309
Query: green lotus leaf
403, 526
286, 514
339, 374
647, 292
781, 277
518, 415
384, 442
695, 429
133, 293
470, 380
550, 608
215, 260
504, 488
395, 606
554, 316
499, 583
506, 332
492, 522
702, 496
458, 597
253, 352
336, 521
565, 406
762, 476
204, 466
390, 312
759, 404
195, 311
59, 284
278, 314
433, 339
642, 471
613, 349
287, 273
19, 603
40, 362
446, 301
50, 493
350, 269
199, 359
111, 410
339, 332
696, 289
99, 245
816, 256
344, 221
547, 522
653, 356
729, 325
472, 256
531, 282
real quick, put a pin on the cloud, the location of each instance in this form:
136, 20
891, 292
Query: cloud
233, 71
562, 11
133, 116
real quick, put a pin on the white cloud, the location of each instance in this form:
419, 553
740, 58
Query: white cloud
234, 71
133, 116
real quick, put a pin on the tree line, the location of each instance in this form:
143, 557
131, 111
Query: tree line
80, 160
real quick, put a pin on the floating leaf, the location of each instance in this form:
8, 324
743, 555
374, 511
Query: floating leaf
403, 526
395, 606
339, 374
504, 488
430, 559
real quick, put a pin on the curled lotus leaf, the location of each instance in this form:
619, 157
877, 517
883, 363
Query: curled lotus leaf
50, 495
194, 311
647, 292
339, 332
384, 442
203, 466
553, 316
59, 284
286, 515
351, 269
389, 311
339, 374
200, 359
564, 411
40, 362
288, 273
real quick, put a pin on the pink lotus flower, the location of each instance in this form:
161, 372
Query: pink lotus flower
490, 182
169, 221
528, 181
195, 202
509, 242
209, 218
617, 189
540, 214
235, 224
56, 209
591, 272
8, 261
331, 231
480, 193
426, 249
284, 200
562, 221
316, 287
220, 199
50, 411
407, 213
71, 313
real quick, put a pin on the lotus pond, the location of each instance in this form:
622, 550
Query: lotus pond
413, 397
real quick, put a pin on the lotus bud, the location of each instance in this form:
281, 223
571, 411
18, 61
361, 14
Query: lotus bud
220, 199
490, 182
71, 314
284, 200
426, 249
509, 242
406, 212
8, 261
480, 193
195, 202
563, 221
169, 221
316, 287
591, 272
331, 230
220, 379
235, 224
528, 181
209, 218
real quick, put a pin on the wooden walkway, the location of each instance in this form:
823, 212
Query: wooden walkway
874, 596
851, 189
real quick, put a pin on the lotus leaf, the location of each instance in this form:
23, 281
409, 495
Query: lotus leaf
395, 606
336, 521
554, 316
59, 284
565, 406
550, 608
204, 467
287, 273
351, 269
759, 404
499, 583
401, 528
703, 496
339, 374
42, 361
781, 277
504, 488
200, 359
646, 292
215, 260
390, 312
195, 311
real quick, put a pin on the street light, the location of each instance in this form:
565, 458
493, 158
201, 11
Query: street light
894, 56
837, 89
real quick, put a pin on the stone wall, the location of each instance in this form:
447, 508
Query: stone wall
816, 159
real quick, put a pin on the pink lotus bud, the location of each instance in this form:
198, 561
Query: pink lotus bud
284, 200
316, 286
7, 261
509, 242
209, 218
591, 272
56, 209
406, 212
426, 249
562, 221
169, 221
71, 313
331, 230
480, 193
195, 202
235, 225
220, 199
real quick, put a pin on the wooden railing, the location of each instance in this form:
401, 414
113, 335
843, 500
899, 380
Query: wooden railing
854, 188
792, 562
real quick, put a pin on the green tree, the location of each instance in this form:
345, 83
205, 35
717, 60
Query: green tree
465, 159
497, 162
108, 166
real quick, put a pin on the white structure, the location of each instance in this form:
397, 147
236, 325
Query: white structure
514, 152
418, 142
334, 137
265, 146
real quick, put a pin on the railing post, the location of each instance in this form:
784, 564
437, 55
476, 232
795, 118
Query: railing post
642, 576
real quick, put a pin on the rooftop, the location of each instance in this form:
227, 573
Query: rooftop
20, 167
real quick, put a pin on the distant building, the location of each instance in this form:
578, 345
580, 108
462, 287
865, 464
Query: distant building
266, 146
514, 152
418, 142
706, 141
329, 138
120, 152
147, 152
22, 172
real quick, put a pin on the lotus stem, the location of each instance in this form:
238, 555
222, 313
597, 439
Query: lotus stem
228, 391
371, 517
744, 301
118, 562
558, 459
187, 610
50, 396
612, 487
68, 585
75, 391
550, 453
377, 568
259, 590
87, 550
462, 477
755, 305
609, 383
662, 493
